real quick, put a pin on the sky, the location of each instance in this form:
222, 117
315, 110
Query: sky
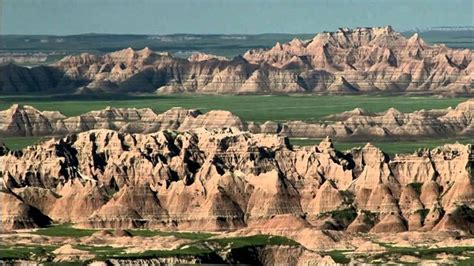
68, 17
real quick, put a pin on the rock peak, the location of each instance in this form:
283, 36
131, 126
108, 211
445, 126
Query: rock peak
200, 57
416, 41
15, 106
296, 42
393, 111
217, 167
326, 144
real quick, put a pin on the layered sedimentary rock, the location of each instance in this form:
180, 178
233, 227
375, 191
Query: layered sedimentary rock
358, 123
15, 213
371, 59
23, 58
198, 57
226, 179
346, 61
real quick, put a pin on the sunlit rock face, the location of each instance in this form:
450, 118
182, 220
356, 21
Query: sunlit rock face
355, 124
360, 60
227, 179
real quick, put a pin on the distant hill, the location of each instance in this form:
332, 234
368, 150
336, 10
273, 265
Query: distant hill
361, 60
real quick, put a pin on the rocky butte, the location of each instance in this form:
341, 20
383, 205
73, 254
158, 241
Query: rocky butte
227, 180
361, 60
355, 124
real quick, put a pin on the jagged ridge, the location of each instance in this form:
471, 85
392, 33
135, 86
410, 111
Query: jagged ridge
346, 61
226, 179
358, 123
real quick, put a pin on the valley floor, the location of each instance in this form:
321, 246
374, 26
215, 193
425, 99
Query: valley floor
258, 108
64, 243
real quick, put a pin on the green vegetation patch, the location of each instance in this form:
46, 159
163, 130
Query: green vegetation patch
185, 235
64, 230
200, 247
464, 213
18, 143
183, 251
67, 230
103, 252
338, 256
345, 215
417, 187
259, 108
348, 196
256, 240
424, 253
341, 218
423, 213
370, 218
393, 147
25, 252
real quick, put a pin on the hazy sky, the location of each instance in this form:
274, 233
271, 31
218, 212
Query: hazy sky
226, 16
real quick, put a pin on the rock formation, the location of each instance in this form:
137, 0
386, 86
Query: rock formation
226, 179
17, 214
69, 253
198, 57
355, 124
360, 60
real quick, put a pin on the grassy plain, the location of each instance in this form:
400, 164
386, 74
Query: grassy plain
248, 107
390, 147
199, 246
257, 108
67, 230
64, 230
18, 143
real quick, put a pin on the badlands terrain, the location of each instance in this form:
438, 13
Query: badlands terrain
250, 194
348, 61
135, 179
354, 124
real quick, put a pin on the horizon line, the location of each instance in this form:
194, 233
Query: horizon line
419, 30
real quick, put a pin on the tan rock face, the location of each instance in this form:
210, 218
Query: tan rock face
226, 179
18, 215
69, 253
291, 256
346, 61
199, 57
368, 59
358, 123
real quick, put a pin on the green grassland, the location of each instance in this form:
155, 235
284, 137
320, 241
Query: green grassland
394, 253
205, 245
390, 147
24, 251
207, 248
64, 230
426, 253
68, 230
199, 246
18, 143
184, 235
257, 108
